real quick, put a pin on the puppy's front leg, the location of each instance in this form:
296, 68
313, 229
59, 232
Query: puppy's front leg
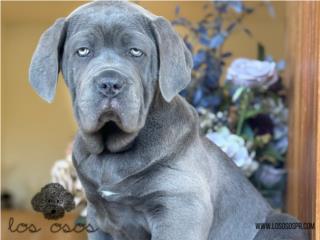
97, 234
180, 218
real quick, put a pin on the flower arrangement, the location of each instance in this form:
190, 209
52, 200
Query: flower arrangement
246, 114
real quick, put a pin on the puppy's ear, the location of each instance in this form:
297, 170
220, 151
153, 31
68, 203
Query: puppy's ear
44, 68
37, 202
175, 59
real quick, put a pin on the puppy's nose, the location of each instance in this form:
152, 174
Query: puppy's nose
110, 87
110, 84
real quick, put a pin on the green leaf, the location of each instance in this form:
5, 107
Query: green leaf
270, 151
247, 133
261, 52
237, 94
253, 112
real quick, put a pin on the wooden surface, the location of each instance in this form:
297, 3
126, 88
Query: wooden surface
31, 217
303, 81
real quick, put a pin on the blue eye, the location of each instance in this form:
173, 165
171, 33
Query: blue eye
83, 52
135, 52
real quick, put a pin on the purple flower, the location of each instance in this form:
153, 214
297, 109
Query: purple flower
252, 73
268, 176
261, 124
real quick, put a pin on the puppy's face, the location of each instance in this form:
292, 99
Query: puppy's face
113, 56
110, 65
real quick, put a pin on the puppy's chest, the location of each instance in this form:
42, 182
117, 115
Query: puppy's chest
120, 216
120, 212
119, 206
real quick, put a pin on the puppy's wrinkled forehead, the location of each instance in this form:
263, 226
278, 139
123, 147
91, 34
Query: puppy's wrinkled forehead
108, 16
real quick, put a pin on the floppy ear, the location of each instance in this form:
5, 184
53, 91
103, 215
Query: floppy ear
175, 59
44, 68
37, 202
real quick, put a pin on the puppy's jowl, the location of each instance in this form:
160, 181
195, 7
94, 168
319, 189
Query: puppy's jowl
147, 172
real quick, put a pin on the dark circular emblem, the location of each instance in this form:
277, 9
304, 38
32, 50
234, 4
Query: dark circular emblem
53, 200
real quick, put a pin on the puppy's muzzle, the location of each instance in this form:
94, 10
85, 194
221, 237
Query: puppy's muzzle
110, 83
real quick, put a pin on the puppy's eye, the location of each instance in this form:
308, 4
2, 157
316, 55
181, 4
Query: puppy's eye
135, 52
83, 52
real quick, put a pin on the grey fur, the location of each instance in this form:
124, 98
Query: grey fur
44, 68
147, 172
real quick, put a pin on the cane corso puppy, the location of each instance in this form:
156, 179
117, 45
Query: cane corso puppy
146, 171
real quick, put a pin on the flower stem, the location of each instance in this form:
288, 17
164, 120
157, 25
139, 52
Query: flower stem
244, 102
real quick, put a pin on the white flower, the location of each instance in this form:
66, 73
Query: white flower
252, 73
210, 121
234, 146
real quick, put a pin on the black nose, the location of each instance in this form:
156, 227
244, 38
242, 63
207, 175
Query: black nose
110, 83
110, 87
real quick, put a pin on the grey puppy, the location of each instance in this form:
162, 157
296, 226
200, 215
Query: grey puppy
147, 172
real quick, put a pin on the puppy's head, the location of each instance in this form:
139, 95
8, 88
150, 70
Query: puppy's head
114, 56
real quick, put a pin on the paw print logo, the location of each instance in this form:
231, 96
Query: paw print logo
53, 200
